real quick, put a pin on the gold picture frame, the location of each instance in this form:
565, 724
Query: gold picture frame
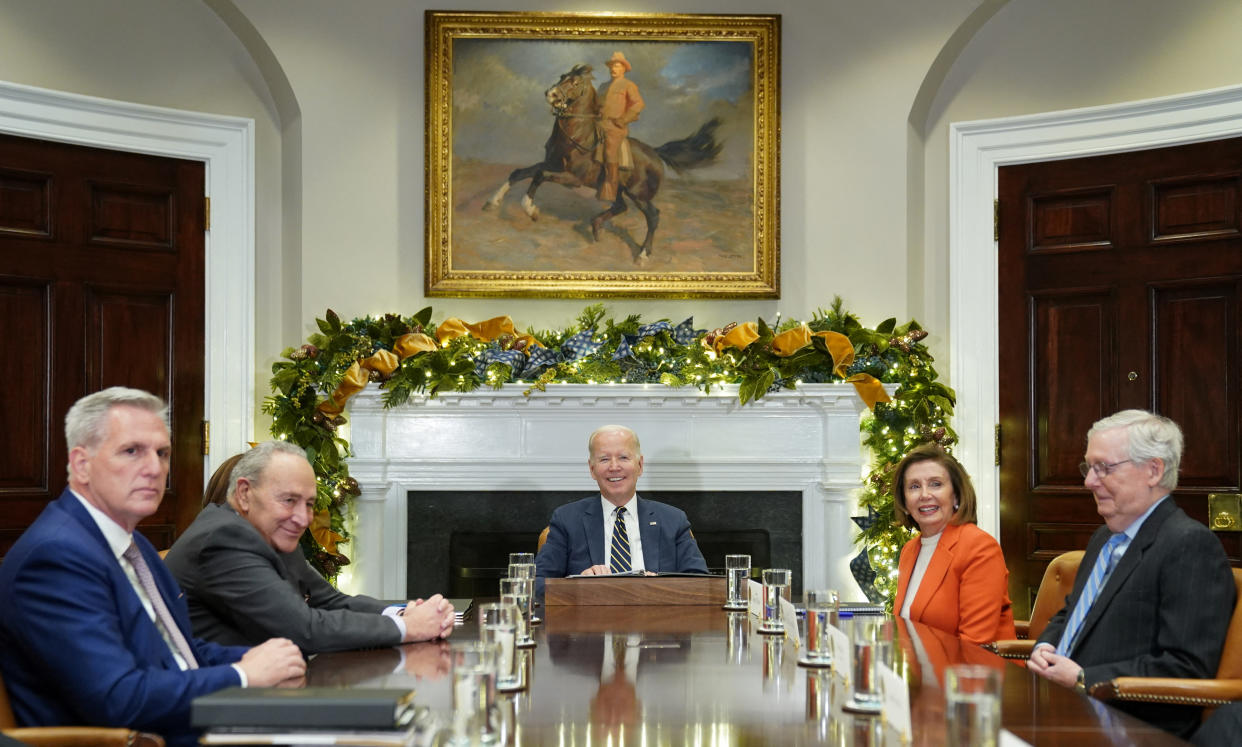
513, 100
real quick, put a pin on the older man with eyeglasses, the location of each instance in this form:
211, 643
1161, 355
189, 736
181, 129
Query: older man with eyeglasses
1154, 594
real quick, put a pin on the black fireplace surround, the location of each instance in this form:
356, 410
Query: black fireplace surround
459, 541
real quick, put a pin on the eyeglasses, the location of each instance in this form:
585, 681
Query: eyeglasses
1101, 469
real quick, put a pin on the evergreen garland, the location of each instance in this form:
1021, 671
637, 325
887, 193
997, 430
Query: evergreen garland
598, 349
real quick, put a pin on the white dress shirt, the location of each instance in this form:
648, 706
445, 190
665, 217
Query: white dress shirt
631, 529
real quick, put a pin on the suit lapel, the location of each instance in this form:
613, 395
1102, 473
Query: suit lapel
593, 526
1128, 563
941, 558
649, 533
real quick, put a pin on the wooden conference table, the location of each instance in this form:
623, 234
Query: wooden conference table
705, 676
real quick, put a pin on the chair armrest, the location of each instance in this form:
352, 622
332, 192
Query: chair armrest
1023, 627
1169, 690
84, 736
1011, 649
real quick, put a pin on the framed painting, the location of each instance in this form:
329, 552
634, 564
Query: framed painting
584, 155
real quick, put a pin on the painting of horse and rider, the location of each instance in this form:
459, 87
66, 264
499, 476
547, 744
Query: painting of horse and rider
612, 163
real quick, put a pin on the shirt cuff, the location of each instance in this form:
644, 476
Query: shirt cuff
393, 612
242, 674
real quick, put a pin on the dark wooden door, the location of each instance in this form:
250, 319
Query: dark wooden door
101, 284
1120, 286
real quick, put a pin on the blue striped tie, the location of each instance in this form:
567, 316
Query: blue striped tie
1090, 590
619, 555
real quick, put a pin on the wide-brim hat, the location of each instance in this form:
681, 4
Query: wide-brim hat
618, 57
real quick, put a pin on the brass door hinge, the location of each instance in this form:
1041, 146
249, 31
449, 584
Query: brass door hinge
996, 444
206, 438
206, 213
995, 220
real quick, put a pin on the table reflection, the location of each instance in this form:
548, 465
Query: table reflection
699, 675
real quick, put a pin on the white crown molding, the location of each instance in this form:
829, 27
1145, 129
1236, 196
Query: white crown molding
226, 147
976, 151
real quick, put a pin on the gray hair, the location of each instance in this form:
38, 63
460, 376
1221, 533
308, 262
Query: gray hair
86, 423
1151, 436
638, 448
253, 462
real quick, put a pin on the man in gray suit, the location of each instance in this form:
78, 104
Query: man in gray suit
244, 575
1154, 593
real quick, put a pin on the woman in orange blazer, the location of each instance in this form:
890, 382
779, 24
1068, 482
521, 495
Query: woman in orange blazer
952, 575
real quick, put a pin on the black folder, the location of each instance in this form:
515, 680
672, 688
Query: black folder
304, 708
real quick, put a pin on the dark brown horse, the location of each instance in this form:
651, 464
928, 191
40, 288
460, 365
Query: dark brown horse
569, 157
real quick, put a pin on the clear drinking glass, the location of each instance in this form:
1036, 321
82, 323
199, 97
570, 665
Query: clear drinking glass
519, 591
498, 625
972, 705
474, 692
821, 609
775, 588
737, 571
516, 558
522, 565
872, 643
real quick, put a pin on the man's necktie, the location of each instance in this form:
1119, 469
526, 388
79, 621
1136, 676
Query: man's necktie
619, 556
165, 619
1095, 582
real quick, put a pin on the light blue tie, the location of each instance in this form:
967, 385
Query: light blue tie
619, 556
1095, 582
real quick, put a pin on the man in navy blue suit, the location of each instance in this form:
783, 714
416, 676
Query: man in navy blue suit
582, 536
93, 627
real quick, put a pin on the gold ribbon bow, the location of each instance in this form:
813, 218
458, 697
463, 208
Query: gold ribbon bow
869, 388
321, 530
486, 331
739, 337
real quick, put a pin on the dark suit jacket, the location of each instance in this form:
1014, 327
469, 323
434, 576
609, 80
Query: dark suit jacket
78, 647
241, 590
576, 539
1163, 612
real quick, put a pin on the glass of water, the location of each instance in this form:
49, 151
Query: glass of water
775, 588
522, 565
474, 692
972, 703
737, 571
519, 591
821, 610
498, 625
872, 642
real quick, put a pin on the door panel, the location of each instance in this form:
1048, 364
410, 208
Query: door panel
1120, 283
101, 283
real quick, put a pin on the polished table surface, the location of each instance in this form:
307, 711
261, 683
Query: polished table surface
706, 676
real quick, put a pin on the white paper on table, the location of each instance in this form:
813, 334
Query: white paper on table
842, 652
896, 702
756, 598
790, 616
1009, 739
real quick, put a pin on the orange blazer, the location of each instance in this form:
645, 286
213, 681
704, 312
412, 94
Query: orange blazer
965, 589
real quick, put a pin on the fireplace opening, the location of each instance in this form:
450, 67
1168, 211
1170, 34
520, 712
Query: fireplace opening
459, 541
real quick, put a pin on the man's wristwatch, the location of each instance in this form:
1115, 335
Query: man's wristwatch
1080, 685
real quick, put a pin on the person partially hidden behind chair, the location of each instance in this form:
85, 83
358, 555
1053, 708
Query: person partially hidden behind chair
952, 575
93, 627
1154, 593
616, 531
245, 577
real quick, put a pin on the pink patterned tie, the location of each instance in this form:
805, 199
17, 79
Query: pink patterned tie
162, 616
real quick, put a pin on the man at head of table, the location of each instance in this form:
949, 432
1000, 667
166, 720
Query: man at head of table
1154, 593
93, 627
616, 531
246, 578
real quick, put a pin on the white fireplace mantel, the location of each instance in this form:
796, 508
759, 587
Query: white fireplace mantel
806, 440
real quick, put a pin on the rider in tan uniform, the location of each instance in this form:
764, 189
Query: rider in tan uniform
621, 106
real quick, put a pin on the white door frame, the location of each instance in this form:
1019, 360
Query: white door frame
976, 151
226, 147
